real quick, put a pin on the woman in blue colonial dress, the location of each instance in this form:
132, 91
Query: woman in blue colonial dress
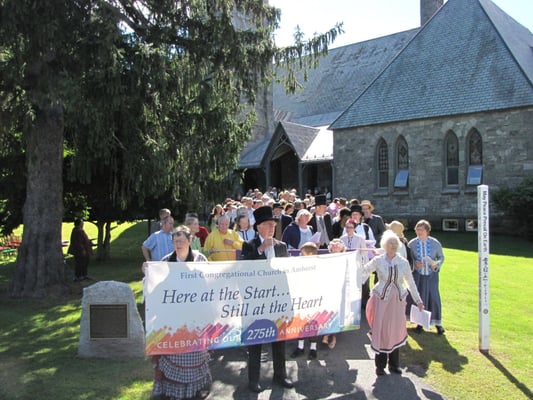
182, 376
427, 259
385, 310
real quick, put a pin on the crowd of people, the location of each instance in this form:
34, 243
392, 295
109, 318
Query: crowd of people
274, 224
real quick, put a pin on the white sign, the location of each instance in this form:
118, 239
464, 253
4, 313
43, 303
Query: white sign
212, 305
483, 265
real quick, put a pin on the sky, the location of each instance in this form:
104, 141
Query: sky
366, 19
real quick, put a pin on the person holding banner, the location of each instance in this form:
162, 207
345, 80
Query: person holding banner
264, 246
428, 259
182, 376
385, 310
351, 240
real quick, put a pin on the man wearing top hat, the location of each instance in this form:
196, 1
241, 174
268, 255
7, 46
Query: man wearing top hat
362, 228
321, 221
264, 246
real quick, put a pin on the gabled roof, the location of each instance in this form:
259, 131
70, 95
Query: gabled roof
310, 144
469, 57
300, 136
340, 77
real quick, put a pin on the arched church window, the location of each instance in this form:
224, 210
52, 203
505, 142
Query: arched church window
383, 164
402, 164
475, 158
452, 159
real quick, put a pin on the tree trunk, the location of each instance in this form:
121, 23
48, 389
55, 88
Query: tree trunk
40, 266
104, 240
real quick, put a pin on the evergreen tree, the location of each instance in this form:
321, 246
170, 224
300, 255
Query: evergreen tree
144, 97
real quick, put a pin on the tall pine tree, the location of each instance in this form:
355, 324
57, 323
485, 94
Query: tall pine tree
145, 97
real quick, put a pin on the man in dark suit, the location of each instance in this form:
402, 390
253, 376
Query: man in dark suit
264, 246
321, 221
282, 220
374, 221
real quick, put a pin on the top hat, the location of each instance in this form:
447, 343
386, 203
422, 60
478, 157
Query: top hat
356, 207
277, 205
345, 212
262, 214
320, 200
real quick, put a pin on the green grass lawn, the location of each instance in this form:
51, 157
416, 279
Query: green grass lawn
39, 338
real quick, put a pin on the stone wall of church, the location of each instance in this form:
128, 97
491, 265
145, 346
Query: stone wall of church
507, 138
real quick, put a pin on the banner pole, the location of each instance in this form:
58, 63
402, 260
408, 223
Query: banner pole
483, 267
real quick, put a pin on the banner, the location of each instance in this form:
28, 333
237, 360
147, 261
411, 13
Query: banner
214, 305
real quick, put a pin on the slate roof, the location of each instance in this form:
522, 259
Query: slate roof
300, 136
341, 77
253, 152
311, 144
470, 57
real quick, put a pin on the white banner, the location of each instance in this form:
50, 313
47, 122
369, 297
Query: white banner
212, 305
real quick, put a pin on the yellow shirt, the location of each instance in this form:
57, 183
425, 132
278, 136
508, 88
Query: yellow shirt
215, 241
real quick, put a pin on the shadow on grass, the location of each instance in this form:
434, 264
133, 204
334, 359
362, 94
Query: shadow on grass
433, 347
41, 348
519, 385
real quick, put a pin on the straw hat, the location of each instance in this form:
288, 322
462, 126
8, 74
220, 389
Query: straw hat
397, 227
369, 204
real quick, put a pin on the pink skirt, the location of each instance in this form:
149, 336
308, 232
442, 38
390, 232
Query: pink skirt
387, 322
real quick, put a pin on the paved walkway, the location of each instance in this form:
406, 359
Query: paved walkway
346, 372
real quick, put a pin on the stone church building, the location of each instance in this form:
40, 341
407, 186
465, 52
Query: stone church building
413, 121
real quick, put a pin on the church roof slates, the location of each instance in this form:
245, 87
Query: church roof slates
252, 155
300, 136
457, 63
340, 77
517, 37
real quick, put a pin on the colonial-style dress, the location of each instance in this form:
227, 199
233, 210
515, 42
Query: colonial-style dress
180, 376
427, 279
385, 311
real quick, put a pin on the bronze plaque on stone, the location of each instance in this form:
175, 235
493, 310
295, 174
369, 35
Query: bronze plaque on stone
108, 321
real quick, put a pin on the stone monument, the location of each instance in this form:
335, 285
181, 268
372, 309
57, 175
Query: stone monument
110, 325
